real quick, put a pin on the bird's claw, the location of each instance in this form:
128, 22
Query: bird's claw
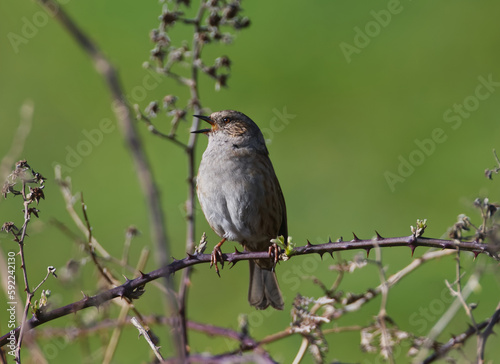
215, 257
274, 253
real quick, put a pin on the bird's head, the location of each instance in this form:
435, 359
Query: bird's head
232, 126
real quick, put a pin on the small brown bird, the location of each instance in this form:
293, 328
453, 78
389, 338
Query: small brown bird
241, 197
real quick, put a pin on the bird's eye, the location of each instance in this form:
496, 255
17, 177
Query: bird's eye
226, 120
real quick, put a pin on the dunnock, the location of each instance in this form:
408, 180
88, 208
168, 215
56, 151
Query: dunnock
241, 197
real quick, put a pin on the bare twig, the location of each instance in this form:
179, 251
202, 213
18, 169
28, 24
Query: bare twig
302, 351
91, 249
385, 337
115, 336
112, 281
50, 270
143, 332
489, 172
65, 186
29, 294
155, 131
447, 316
70, 199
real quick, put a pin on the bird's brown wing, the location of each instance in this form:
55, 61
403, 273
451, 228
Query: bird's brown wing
284, 224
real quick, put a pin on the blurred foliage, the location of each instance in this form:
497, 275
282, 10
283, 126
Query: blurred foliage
353, 122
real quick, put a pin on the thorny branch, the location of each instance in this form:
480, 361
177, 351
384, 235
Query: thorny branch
133, 289
455, 341
488, 330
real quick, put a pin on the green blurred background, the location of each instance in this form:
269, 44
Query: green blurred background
355, 118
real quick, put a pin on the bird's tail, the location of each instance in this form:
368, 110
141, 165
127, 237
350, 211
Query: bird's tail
264, 290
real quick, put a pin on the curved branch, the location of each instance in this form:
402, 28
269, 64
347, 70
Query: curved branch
125, 121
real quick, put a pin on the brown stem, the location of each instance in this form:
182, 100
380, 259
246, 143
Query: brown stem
126, 123
190, 151
29, 295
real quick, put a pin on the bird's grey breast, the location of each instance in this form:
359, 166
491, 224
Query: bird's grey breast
229, 189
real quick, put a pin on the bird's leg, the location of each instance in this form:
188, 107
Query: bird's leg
274, 253
217, 256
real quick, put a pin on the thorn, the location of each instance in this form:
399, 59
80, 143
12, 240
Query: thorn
321, 255
368, 252
476, 253
236, 251
379, 237
412, 247
308, 243
340, 240
143, 275
355, 237
126, 279
331, 254
85, 297
330, 240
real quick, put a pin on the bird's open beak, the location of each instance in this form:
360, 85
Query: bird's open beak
208, 120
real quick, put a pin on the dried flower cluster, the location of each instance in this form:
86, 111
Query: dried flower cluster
489, 229
16, 183
306, 322
212, 24
384, 338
